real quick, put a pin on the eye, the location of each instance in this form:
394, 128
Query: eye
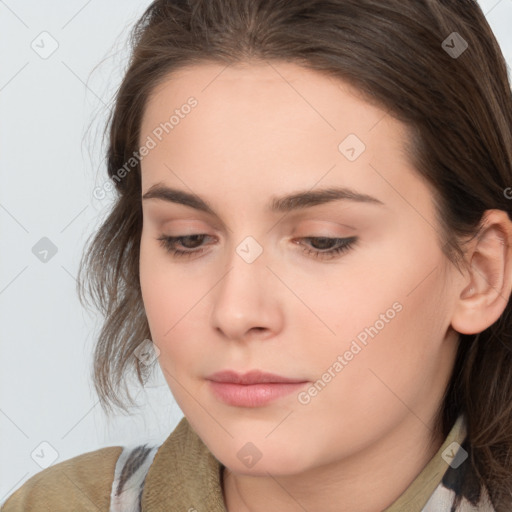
328, 247
187, 241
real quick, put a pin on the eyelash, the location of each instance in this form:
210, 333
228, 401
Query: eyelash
344, 245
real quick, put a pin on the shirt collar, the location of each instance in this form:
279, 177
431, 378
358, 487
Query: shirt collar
422, 487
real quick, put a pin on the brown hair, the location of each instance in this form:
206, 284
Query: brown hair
458, 109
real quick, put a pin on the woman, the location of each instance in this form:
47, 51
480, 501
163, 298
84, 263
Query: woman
312, 239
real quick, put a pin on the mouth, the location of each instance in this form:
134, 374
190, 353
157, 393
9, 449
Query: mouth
252, 389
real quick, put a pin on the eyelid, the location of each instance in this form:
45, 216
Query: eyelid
163, 216
331, 228
184, 227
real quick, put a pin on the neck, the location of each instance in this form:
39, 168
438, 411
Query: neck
386, 467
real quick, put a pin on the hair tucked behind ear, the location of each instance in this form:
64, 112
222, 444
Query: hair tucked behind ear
459, 113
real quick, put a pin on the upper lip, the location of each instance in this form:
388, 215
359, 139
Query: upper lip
251, 377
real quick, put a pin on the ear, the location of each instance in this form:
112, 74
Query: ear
487, 287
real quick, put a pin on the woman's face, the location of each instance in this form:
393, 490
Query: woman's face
366, 331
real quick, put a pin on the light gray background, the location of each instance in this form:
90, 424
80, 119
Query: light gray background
53, 112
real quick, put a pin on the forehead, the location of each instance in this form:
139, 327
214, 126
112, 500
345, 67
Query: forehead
265, 84
256, 124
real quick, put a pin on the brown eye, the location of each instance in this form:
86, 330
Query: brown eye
328, 247
189, 242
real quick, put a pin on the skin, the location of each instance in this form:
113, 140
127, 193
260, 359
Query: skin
260, 131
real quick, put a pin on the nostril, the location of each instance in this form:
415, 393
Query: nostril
258, 329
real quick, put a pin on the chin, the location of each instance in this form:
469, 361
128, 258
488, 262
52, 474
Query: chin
274, 461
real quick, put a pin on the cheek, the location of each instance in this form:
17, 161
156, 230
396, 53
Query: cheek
164, 289
388, 321
172, 305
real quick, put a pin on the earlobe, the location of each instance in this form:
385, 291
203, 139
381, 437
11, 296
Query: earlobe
487, 287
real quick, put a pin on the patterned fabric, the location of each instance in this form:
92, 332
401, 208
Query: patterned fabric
130, 473
457, 492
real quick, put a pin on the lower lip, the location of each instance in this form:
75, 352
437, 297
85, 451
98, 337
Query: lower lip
252, 395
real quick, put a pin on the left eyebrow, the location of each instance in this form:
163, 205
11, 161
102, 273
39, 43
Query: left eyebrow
295, 201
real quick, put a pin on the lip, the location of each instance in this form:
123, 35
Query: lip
251, 389
250, 377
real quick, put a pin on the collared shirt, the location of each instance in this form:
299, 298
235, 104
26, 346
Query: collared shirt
182, 474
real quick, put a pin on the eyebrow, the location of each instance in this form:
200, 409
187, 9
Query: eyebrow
288, 203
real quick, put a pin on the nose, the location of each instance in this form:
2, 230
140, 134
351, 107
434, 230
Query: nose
246, 300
